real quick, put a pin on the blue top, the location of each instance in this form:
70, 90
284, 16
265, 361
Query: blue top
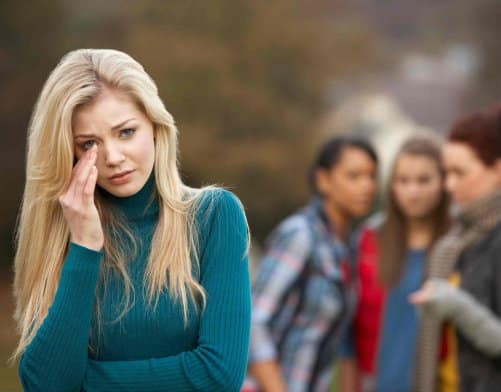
149, 349
397, 345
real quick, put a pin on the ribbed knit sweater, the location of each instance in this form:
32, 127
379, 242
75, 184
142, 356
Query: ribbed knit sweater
149, 349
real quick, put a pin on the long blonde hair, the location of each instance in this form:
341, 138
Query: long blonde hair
77, 80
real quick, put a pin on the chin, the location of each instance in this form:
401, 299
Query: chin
359, 213
123, 194
124, 190
419, 214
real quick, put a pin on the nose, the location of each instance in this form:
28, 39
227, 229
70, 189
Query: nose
367, 188
413, 188
450, 183
369, 184
112, 154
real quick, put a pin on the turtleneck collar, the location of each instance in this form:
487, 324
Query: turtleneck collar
143, 204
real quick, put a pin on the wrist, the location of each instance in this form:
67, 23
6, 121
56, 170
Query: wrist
445, 299
96, 246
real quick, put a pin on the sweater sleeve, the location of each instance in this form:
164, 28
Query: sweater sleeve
219, 361
477, 322
56, 358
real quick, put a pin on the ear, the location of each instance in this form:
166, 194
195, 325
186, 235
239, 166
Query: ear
322, 181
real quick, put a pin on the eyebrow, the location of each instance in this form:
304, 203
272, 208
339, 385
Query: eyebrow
114, 127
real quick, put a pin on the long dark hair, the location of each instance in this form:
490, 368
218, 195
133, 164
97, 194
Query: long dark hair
392, 234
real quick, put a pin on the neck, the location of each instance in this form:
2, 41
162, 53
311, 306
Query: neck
486, 208
419, 232
141, 205
337, 218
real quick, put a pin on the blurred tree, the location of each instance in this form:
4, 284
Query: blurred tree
485, 31
245, 81
30, 43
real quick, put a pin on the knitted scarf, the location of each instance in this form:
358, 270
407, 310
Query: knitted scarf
470, 226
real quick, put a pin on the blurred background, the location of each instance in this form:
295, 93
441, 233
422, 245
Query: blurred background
255, 87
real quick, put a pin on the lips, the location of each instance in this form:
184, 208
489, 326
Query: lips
121, 174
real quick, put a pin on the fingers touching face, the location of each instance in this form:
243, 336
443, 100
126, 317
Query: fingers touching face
83, 178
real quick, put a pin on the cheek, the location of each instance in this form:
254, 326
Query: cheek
146, 150
433, 193
100, 165
347, 187
400, 192
336, 188
77, 154
141, 153
467, 184
464, 188
355, 189
433, 187
146, 153
480, 185
101, 176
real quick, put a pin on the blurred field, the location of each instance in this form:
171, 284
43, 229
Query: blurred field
9, 381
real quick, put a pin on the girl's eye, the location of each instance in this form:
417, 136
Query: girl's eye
88, 144
424, 180
127, 132
352, 175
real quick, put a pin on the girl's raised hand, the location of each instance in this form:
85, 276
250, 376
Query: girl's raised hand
78, 204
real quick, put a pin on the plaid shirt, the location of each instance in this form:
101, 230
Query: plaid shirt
303, 299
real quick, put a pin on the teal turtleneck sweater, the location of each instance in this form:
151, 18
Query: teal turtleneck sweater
149, 349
